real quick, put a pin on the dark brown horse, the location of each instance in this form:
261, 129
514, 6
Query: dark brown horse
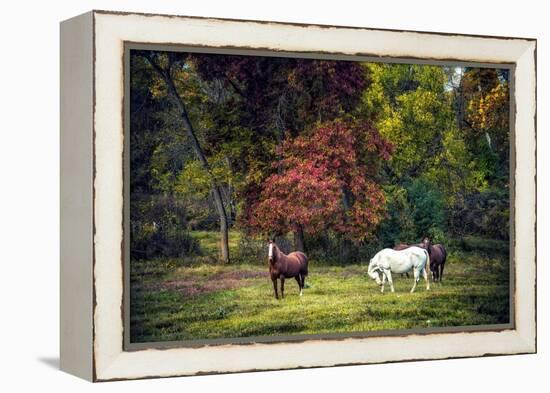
283, 266
438, 256
402, 246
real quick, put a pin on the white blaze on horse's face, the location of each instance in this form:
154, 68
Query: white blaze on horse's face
270, 252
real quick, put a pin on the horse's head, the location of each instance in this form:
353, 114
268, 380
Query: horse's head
373, 272
272, 252
426, 243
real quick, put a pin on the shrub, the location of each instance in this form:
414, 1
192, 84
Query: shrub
413, 211
484, 214
162, 242
484, 245
250, 250
158, 228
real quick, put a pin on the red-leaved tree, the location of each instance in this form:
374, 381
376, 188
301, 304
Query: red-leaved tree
325, 180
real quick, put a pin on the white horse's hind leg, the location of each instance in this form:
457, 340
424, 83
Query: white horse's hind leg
425, 274
390, 280
416, 278
383, 281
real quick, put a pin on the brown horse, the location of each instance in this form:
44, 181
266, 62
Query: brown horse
438, 256
403, 246
283, 266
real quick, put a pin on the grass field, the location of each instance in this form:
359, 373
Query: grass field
209, 241
173, 302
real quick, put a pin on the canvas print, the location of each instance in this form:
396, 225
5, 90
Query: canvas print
279, 196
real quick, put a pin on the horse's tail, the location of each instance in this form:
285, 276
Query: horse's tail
427, 267
304, 265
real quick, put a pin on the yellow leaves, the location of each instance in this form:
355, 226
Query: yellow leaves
195, 180
489, 111
158, 88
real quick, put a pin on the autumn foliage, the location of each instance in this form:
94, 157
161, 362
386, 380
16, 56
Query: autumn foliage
301, 148
325, 180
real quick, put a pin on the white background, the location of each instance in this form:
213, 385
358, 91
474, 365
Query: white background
29, 196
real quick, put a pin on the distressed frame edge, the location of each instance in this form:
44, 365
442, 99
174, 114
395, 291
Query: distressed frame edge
76, 196
304, 24
526, 292
528, 339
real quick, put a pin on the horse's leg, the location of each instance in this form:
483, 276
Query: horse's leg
303, 277
282, 287
425, 274
416, 278
275, 287
390, 280
383, 281
299, 281
441, 271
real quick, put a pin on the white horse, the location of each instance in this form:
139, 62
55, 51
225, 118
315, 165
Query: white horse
390, 261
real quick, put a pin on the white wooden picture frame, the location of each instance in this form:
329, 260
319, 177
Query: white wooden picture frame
92, 194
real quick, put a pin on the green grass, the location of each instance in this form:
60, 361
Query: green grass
173, 302
209, 241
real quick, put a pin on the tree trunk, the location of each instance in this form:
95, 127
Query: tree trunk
299, 243
216, 191
346, 198
280, 127
326, 243
230, 200
345, 245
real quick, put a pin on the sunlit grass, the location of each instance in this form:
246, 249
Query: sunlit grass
237, 301
209, 241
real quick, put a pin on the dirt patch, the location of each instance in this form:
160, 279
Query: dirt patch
216, 282
239, 275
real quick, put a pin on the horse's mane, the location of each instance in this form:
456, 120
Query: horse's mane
277, 251
278, 254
